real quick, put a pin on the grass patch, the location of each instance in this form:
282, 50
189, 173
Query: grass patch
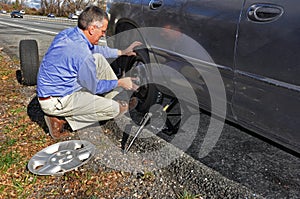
8, 143
187, 195
8, 159
18, 110
7, 156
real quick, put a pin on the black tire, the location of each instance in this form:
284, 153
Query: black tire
29, 60
147, 94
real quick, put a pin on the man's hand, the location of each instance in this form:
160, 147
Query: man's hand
127, 83
129, 51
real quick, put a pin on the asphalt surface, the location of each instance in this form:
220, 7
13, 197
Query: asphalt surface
250, 160
255, 163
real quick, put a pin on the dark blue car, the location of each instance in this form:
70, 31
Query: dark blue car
16, 14
254, 45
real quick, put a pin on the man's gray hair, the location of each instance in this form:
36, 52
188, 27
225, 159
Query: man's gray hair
91, 15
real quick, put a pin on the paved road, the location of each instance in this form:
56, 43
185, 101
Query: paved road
238, 155
248, 159
14, 30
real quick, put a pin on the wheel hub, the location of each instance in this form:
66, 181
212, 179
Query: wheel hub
62, 157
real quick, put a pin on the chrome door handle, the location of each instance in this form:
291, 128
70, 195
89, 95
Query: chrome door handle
264, 12
154, 4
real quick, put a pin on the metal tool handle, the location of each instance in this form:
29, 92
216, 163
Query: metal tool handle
143, 123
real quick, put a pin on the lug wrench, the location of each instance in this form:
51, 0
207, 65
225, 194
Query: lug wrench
143, 123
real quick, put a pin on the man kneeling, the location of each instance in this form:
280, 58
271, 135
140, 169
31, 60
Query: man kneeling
75, 82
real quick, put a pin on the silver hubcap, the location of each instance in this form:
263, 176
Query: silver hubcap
61, 157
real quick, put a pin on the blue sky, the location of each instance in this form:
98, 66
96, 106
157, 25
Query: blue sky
33, 3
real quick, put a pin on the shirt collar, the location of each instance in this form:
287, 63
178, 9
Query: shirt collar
91, 46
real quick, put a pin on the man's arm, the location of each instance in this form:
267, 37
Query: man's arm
87, 78
129, 51
108, 52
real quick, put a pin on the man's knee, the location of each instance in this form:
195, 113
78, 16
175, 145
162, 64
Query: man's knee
98, 57
116, 109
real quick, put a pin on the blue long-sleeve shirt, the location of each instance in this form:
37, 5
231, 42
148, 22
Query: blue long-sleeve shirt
68, 66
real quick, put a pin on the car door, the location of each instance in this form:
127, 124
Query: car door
213, 25
209, 28
267, 71
160, 13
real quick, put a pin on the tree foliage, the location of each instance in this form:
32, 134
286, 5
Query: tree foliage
64, 7
57, 7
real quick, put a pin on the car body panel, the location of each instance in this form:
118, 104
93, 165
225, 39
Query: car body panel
254, 45
267, 72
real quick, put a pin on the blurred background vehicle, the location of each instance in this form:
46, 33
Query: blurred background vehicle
51, 15
73, 16
16, 14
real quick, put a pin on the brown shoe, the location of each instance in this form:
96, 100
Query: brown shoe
56, 127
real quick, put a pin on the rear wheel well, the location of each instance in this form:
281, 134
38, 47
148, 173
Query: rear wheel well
135, 65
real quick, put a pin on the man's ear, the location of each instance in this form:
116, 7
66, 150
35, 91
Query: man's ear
91, 30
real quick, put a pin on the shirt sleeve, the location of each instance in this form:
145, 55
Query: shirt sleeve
87, 78
106, 51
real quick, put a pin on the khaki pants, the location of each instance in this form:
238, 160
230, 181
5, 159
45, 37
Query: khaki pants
83, 108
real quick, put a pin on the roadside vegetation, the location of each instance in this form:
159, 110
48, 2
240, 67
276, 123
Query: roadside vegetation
21, 138
60, 8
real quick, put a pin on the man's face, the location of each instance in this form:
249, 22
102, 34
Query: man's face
98, 31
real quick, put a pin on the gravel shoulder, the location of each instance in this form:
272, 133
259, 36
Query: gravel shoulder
173, 170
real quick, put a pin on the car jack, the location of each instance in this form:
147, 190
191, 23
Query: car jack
169, 127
